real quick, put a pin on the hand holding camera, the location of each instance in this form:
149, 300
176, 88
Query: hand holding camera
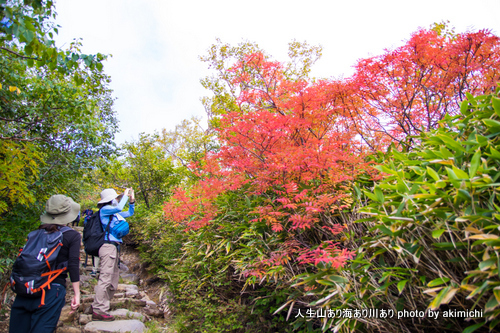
132, 195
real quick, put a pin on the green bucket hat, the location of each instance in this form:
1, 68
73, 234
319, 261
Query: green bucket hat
60, 209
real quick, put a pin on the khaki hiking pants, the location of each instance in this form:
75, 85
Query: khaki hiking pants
108, 278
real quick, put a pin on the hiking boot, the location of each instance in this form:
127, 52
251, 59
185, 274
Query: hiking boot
93, 274
104, 317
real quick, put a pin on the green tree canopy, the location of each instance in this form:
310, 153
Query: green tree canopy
150, 171
56, 108
56, 118
27, 32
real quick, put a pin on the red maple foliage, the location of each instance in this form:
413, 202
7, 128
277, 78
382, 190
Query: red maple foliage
304, 142
409, 89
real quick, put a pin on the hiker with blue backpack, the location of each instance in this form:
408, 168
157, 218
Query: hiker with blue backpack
40, 271
87, 213
115, 227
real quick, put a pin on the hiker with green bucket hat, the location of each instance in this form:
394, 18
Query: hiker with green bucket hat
39, 301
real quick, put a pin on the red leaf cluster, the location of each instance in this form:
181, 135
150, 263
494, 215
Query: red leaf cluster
327, 252
409, 89
302, 143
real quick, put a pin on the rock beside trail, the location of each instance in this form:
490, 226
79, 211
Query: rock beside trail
123, 268
67, 315
132, 326
68, 329
127, 287
132, 278
153, 312
126, 302
150, 304
84, 319
131, 293
86, 308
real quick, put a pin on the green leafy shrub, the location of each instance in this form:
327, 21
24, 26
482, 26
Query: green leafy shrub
14, 228
431, 236
208, 276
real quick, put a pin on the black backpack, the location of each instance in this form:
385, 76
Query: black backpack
35, 267
93, 234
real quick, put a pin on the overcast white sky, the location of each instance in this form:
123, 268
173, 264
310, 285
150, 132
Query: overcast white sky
156, 44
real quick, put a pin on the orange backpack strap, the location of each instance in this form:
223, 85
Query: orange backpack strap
51, 253
52, 276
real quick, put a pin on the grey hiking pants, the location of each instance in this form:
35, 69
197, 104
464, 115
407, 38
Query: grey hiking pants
108, 278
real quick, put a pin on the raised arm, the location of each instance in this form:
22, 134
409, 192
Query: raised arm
131, 206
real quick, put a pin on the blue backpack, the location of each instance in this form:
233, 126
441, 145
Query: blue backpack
120, 230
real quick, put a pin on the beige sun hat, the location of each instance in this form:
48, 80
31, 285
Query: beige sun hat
60, 209
107, 195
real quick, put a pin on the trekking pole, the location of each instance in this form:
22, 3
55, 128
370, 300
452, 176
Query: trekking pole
4, 295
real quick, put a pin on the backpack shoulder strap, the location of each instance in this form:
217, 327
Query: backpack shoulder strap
107, 231
64, 229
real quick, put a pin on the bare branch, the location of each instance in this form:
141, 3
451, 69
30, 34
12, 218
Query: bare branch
13, 138
16, 54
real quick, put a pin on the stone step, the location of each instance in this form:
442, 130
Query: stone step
68, 329
127, 314
132, 325
127, 296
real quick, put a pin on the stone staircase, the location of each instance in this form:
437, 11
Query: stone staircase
131, 306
